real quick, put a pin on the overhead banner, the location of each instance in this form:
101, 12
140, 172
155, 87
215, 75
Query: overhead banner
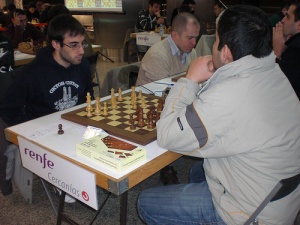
74, 180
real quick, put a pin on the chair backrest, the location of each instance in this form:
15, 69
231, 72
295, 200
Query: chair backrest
281, 190
6, 80
130, 47
128, 75
93, 62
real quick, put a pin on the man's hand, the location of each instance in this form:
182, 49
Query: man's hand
161, 20
201, 69
157, 14
16, 19
278, 40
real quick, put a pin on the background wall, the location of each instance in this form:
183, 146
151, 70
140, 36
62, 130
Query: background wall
110, 28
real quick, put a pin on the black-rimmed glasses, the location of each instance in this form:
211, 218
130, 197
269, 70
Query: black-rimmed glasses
76, 45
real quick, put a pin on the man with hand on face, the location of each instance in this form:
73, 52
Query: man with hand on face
286, 43
172, 55
238, 111
148, 19
21, 31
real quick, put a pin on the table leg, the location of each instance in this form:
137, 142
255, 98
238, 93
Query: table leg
123, 208
60, 208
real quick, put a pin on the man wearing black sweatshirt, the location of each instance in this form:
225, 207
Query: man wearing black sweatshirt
57, 79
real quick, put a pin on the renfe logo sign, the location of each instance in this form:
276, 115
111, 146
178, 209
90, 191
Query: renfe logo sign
147, 39
65, 175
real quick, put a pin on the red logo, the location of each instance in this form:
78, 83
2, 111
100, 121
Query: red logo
85, 196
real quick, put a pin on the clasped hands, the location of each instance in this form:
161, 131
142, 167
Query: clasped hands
279, 40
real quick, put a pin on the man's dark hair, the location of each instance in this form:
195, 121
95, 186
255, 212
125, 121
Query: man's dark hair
285, 4
296, 11
152, 2
219, 4
62, 25
246, 30
18, 11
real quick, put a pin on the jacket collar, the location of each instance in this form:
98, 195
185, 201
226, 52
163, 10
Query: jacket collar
290, 40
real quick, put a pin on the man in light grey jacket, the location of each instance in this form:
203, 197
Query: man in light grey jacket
244, 120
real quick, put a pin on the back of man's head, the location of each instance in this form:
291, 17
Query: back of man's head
181, 20
62, 25
246, 30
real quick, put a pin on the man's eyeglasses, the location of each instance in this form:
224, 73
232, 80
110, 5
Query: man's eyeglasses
76, 45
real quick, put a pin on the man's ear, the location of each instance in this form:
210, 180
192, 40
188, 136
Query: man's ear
298, 26
226, 55
55, 44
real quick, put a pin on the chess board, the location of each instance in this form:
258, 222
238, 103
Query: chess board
117, 121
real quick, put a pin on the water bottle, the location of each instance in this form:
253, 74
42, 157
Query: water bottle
161, 30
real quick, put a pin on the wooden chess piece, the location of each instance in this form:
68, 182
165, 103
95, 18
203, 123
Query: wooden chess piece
60, 130
132, 122
88, 100
160, 105
141, 121
112, 94
105, 113
120, 98
143, 104
97, 107
150, 124
140, 94
134, 106
89, 113
113, 103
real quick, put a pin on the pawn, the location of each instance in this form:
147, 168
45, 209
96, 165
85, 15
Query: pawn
141, 121
120, 98
89, 113
140, 94
143, 104
134, 106
97, 107
113, 103
60, 130
132, 124
105, 109
160, 105
150, 124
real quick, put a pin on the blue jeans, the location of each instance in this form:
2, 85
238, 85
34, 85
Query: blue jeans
180, 204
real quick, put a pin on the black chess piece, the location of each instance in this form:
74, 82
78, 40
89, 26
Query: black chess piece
60, 130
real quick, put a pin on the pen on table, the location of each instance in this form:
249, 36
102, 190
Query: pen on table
163, 83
